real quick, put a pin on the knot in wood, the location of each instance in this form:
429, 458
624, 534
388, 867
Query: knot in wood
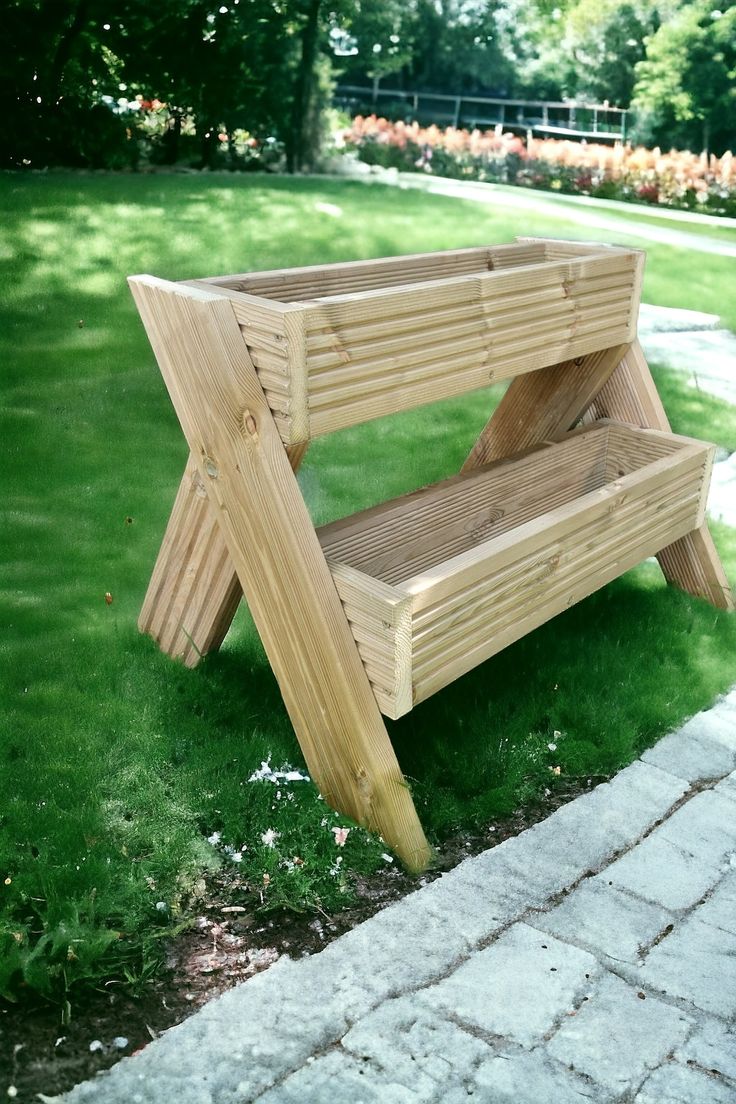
211, 467
249, 423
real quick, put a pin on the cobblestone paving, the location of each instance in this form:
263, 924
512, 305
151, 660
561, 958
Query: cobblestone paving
593, 957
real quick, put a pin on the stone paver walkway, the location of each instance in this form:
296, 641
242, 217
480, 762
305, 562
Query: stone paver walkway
593, 957
695, 345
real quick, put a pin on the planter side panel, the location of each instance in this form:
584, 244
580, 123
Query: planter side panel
491, 605
379, 352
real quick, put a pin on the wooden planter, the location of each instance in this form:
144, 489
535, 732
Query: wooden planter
378, 611
340, 344
437, 581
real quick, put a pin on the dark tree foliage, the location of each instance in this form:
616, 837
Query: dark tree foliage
50, 59
269, 66
63, 67
686, 83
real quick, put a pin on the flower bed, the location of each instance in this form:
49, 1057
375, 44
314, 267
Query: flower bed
678, 178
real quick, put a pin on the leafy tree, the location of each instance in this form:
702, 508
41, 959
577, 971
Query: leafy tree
457, 47
605, 41
226, 65
51, 63
686, 85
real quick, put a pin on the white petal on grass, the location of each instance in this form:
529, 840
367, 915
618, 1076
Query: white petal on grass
328, 209
266, 773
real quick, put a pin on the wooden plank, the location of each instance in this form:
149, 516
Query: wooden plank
273, 545
552, 599
347, 308
312, 281
380, 619
410, 534
543, 404
473, 552
411, 331
194, 590
457, 573
474, 582
691, 563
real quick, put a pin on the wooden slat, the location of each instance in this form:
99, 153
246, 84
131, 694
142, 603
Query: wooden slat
194, 590
292, 284
434, 584
412, 533
402, 332
272, 543
524, 532
381, 623
480, 583
548, 599
691, 563
366, 366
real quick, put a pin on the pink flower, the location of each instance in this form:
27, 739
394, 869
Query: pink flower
340, 834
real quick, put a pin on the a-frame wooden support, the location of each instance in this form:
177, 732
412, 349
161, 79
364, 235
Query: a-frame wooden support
272, 545
240, 525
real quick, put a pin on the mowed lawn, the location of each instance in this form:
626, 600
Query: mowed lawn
126, 777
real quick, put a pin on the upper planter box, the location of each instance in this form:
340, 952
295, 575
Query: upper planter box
336, 345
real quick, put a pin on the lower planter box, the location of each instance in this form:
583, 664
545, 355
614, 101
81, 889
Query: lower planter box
437, 581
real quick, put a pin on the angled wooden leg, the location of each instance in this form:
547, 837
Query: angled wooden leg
543, 404
275, 550
692, 562
194, 590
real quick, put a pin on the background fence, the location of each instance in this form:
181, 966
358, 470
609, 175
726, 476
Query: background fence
568, 119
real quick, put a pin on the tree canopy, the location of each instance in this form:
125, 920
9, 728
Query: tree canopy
69, 71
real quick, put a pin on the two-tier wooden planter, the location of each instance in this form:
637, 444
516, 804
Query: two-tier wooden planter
575, 479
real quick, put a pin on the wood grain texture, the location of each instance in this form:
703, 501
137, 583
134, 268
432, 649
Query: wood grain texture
691, 563
266, 527
543, 405
288, 285
337, 345
485, 557
194, 592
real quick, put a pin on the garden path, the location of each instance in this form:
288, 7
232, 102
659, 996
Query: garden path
526, 199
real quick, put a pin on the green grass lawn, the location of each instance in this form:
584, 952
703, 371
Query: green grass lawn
126, 777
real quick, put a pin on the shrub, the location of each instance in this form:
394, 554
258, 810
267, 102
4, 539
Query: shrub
678, 179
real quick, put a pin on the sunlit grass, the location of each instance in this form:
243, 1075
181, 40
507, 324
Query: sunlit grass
117, 763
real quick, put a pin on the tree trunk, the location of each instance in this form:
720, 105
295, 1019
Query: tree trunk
298, 150
171, 139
